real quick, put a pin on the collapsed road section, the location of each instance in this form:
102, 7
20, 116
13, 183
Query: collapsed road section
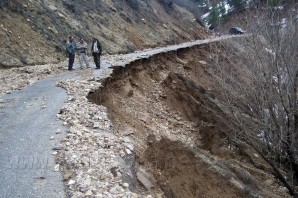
154, 129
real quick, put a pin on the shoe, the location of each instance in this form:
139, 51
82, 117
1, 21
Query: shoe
81, 67
97, 68
70, 69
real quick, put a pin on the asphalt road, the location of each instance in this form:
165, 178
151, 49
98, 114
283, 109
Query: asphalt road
27, 121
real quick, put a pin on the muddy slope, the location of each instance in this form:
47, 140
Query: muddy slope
167, 105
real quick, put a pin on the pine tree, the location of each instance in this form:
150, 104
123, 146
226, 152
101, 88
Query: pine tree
216, 16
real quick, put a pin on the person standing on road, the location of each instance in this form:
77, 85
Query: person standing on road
71, 53
96, 52
82, 50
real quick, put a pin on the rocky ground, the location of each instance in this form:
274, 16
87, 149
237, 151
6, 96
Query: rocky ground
34, 32
148, 130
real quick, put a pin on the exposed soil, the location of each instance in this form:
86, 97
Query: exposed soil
166, 105
162, 90
181, 174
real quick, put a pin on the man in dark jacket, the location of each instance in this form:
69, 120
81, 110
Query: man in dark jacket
96, 52
71, 52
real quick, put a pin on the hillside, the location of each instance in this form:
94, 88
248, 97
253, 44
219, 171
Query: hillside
215, 117
34, 32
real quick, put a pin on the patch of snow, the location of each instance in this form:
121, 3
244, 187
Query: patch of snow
205, 15
227, 7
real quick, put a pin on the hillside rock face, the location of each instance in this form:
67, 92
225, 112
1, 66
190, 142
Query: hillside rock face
34, 32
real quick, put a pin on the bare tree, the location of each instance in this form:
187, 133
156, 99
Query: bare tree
260, 90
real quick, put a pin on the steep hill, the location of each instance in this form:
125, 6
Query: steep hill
34, 32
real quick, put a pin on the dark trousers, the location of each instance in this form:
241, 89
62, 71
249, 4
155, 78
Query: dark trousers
96, 57
71, 57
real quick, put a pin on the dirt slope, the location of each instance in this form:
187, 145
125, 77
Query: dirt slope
166, 104
34, 32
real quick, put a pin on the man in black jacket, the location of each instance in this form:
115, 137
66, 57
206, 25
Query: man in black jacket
96, 52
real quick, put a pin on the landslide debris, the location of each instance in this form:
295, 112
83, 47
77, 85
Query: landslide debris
166, 105
17, 78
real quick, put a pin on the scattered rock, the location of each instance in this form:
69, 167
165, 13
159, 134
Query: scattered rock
113, 190
56, 168
71, 182
52, 8
146, 178
96, 125
127, 140
126, 185
56, 148
129, 146
203, 62
59, 131
67, 176
52, 29
61, 16
89, 193
128, 151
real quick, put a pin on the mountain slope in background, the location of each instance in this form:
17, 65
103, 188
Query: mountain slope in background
34, 32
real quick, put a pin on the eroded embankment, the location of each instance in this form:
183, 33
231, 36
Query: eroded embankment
165, 104
162, 90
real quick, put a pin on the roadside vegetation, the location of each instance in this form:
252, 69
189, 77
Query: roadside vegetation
260, 89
